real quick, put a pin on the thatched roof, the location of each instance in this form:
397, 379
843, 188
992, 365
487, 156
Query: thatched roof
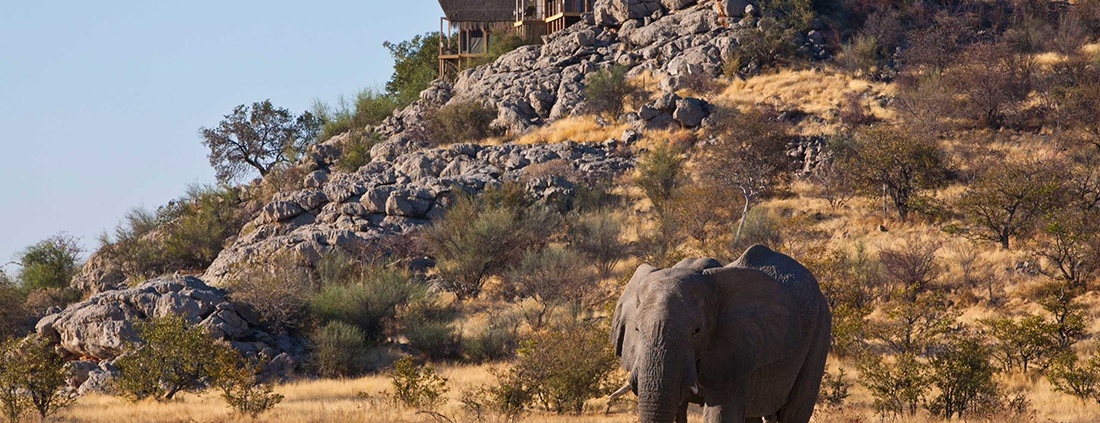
479, 10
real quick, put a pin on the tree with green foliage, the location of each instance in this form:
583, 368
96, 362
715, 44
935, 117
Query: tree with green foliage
608, 91
897, 387
1008, 199
50, 263
257, 137
14, 402
964, 376
236, 378
415, 66
554, 277
892, 162
47, 379
13, 314
1072, 375
567, 366
1024, 342
659, 172
171, 357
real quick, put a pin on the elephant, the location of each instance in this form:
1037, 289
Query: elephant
747, 341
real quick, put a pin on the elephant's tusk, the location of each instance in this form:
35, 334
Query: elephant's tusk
620, 392
695, 389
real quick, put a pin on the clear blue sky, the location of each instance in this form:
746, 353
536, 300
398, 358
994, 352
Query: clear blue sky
101, 101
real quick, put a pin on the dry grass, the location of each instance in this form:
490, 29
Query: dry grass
577, 128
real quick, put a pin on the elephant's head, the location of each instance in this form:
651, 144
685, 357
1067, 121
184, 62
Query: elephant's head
684, 330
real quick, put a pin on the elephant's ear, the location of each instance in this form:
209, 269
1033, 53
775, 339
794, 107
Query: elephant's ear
757, 320
625, 310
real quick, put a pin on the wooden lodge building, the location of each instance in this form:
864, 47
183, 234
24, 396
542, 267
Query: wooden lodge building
469, 27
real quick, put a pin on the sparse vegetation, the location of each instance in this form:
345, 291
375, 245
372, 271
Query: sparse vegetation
461, 122
607, 92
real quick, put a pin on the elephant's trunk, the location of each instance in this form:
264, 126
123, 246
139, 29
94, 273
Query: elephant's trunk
661, 385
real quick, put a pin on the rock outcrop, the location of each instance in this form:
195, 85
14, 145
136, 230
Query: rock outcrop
398, 192
97, 330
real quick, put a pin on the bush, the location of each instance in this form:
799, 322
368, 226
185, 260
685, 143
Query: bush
415, 66
509, 396
171, 357
13, 372
598, 237
607, 92
241, 390
659, 173
279, 292
461, 122
554, 277
340, 349
480, 236
1007, 200
964, 377
51, 263
897, 387
567, 366
13, 316
758, 227
356, 150
992, 79
370, 107
768, 43
417, 387
186, 234
367, 299
428, 327
1081, 378
1028, 341
834, 389
497, 340
40, 300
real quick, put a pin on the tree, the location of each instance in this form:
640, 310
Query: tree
1009, 198
964, 376
567, 366
257, 137
913, 266
48, 377
991, 78
659, 172
239, 386
749, 158
13, 314
597, 236
1070, 318
13, 372
1067, 241
51, 263
1080, 378
607, 91
888, 161
897, 387
1024, 342
415, 66
172, 357
554, 277
911, 327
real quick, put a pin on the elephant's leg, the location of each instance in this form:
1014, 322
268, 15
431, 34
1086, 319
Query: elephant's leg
727, 405
682, 415
803, 395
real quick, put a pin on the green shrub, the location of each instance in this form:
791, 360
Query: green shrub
417, 387
509, 396
497, 340
14, 317
367, 300
1074, 376
897, 387
428, 327
356, 150
461, 122
241, 390
51, 263
171, 357
767, 44
964, 377
659, 173
340, 349
481, 236
186, 234
567, 366
415, 66
598, 237
32, 376
834, 389
1027, 342
607, 92
370, 107
759, 228
14, 402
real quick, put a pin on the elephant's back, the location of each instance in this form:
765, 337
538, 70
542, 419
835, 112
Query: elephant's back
798, 280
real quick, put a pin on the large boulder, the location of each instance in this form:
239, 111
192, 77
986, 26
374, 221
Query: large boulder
612, 13
99, 274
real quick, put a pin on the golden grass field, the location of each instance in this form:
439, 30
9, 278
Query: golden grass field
337, 401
